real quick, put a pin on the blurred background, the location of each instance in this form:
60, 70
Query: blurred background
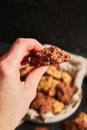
59, 22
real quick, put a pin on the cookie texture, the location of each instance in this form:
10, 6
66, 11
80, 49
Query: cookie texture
48, 56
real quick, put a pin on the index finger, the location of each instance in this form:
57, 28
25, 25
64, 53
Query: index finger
22, 48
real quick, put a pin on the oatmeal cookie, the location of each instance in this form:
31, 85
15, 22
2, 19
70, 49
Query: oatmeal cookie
47, 84
57, 106
54, 71
60, 74
48, 56
78, 123
66, 77
64, 93
44, 103
24, 71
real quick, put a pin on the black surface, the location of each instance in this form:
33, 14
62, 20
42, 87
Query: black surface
60, 22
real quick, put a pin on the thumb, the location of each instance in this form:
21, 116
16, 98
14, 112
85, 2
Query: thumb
34, 77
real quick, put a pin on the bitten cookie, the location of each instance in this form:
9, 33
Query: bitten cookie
48, 56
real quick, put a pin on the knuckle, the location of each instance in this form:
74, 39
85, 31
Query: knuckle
19, 40
22, 40
4, 68
34, 40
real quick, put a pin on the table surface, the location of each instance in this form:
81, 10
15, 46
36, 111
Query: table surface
63, 23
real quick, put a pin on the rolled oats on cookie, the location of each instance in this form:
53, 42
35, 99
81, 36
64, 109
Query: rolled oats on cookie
48, 56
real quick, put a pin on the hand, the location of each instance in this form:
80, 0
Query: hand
16, 96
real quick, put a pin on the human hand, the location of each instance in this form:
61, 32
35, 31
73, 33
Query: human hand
16, 95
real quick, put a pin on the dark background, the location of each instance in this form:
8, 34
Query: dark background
59, 22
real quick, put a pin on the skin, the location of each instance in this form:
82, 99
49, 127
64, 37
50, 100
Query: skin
16, 95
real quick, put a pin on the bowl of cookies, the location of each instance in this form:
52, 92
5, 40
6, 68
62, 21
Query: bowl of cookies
59, 91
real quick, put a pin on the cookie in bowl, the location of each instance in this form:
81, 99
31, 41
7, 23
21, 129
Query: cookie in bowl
53, 91
44, 104
60, 84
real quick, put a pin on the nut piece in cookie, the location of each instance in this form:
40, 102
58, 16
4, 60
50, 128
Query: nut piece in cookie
78, 123
40, 128
48, 56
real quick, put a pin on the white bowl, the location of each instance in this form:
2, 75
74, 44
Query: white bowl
77, 68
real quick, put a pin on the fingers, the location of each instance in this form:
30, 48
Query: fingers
34, 77
21, 48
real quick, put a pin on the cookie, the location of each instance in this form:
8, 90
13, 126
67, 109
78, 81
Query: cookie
66, 77
54, 71
24, 71
64, 93
78, 123
47, 84
42, 103
48, 56
57, 106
